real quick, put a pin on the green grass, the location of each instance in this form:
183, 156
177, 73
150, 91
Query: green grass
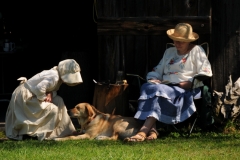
209, 145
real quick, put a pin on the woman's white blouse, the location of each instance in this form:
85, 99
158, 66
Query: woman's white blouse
178, 68
43, 82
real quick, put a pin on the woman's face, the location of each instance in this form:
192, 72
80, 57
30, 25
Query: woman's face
70, 84
182, 47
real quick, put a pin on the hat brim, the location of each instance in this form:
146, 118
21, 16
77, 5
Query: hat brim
170, 33
72, 78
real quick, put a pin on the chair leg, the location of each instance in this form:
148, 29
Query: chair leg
178, 130
193, 125
190, 131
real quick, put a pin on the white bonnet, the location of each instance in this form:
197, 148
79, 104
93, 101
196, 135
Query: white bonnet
69, 71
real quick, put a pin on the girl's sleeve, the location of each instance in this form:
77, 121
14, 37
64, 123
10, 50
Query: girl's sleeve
43, 86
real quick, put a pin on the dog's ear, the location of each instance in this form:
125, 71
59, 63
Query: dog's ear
91, 112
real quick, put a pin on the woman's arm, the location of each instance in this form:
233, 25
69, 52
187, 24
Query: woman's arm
202, 64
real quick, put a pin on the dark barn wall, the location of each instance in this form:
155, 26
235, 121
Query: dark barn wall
226, 42
46, 33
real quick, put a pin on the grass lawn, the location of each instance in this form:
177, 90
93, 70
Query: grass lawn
209, 145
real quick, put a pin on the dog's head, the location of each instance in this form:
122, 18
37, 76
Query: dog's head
84, 112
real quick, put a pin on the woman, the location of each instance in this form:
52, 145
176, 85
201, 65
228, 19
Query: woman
172, 103
35, 108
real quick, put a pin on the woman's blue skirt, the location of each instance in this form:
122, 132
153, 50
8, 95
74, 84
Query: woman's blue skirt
168, 104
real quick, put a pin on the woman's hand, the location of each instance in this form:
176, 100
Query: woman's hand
49, 97
185, 85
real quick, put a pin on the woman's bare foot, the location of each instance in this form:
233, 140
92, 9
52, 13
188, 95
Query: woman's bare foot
153, 134
140, 136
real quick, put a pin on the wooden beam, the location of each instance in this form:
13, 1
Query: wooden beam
150, 25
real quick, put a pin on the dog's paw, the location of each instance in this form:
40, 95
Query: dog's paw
57, 139
102, 138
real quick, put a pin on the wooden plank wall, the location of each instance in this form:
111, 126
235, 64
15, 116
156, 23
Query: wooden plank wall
132, 34
225, 42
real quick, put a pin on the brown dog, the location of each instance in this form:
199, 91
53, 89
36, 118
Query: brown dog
101, 126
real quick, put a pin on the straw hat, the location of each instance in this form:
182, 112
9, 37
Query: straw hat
69, 71
183, 32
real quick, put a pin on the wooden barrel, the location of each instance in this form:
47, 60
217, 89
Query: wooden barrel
111, 98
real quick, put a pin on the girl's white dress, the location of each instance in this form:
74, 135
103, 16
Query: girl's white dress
28, 114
